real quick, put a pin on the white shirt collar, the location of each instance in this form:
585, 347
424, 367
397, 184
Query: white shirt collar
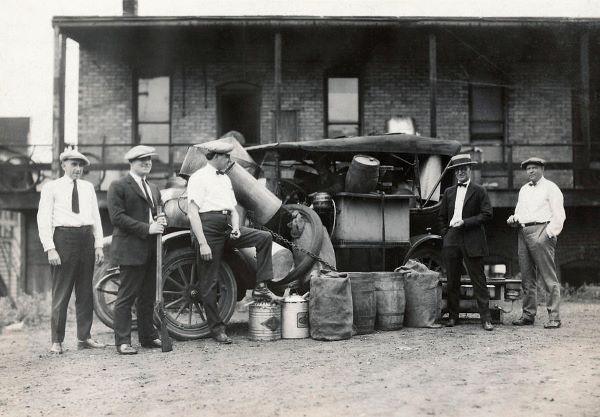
136, 177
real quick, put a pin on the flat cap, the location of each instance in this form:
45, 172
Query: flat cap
460, 160
139, 151
216, 146
533, 160
73, 154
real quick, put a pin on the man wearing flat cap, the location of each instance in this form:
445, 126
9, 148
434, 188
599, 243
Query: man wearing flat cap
215, 223
132, 206
70, 230
539, 216
464, 211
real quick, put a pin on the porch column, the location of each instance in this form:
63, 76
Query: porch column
277, 71
58, 126
432, 85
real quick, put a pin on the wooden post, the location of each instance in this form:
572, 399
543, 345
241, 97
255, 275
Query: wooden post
277, 132
432, 85
584, 61
58, 128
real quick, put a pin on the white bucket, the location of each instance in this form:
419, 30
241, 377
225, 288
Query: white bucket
294, 318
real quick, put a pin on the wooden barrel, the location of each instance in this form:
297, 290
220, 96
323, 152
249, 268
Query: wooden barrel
264, 321
362, 175
389, 293
364, 304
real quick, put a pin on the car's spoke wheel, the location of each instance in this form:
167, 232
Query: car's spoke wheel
106, 284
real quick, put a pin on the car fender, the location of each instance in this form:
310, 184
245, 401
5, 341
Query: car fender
419, 241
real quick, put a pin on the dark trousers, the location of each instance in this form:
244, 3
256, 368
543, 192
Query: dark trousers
75, 246
454, 256
216, 231
137, 281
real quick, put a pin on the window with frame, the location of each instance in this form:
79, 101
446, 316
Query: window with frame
486, 112
343, 107
153, 114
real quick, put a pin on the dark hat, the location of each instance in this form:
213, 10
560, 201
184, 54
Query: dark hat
71, 153
533, 160
139, 151
460, 160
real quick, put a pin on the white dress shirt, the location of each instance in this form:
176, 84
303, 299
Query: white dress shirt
138, 180
542, 202
55, 207
210, 191
459, 202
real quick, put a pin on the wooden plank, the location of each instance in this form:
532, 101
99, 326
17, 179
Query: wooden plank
432, 85
58, 127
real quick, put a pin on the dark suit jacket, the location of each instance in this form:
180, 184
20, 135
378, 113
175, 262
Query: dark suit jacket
128, 211
477, 210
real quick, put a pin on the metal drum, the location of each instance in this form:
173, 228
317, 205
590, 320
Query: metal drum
362, 175
324, 206
264, 321
294, 317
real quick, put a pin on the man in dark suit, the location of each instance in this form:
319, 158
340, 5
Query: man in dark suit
132, 206
464, 210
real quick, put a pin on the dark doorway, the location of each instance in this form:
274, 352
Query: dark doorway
238, 108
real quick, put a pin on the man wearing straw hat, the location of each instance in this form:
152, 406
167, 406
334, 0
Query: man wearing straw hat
215, 223
70, 230
132, 206
464, 210
540, 216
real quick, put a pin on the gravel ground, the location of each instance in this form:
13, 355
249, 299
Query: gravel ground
460, 371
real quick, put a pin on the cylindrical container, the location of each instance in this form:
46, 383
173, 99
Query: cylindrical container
196, 157
389, 293
294, 317
362, 175
252, 195
281, 257
364, 303
323, 205
175, 206
264, 321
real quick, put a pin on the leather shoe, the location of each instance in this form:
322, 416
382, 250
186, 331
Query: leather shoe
89, 344
452, 322
552, 324
262, 293
126, 349
221, 337
487, 326
523, 321
152, 344
56, 349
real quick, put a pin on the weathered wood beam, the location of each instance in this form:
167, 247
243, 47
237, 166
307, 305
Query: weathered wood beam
58, 127
277, 70
432, 85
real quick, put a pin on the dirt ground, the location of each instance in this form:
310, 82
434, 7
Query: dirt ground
460, 371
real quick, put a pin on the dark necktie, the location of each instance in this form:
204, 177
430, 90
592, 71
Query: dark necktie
531, 184
462, 184
219, 172
75, 198
148, 195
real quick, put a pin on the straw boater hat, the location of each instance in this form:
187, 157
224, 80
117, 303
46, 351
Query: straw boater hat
140, 151
73, 154
533, 160
461, 160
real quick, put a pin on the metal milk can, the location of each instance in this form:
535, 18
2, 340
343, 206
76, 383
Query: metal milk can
294, 317
264, 321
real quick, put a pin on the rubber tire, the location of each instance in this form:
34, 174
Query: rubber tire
185, 256
104, 312
430, 256
314, 221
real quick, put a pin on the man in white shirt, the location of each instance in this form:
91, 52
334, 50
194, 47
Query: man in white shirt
70, 230
464, 210
215, 223
540, 216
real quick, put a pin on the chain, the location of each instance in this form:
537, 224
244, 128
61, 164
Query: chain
283, 240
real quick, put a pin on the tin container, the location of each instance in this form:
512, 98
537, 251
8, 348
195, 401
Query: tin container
264, 321
294, 318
